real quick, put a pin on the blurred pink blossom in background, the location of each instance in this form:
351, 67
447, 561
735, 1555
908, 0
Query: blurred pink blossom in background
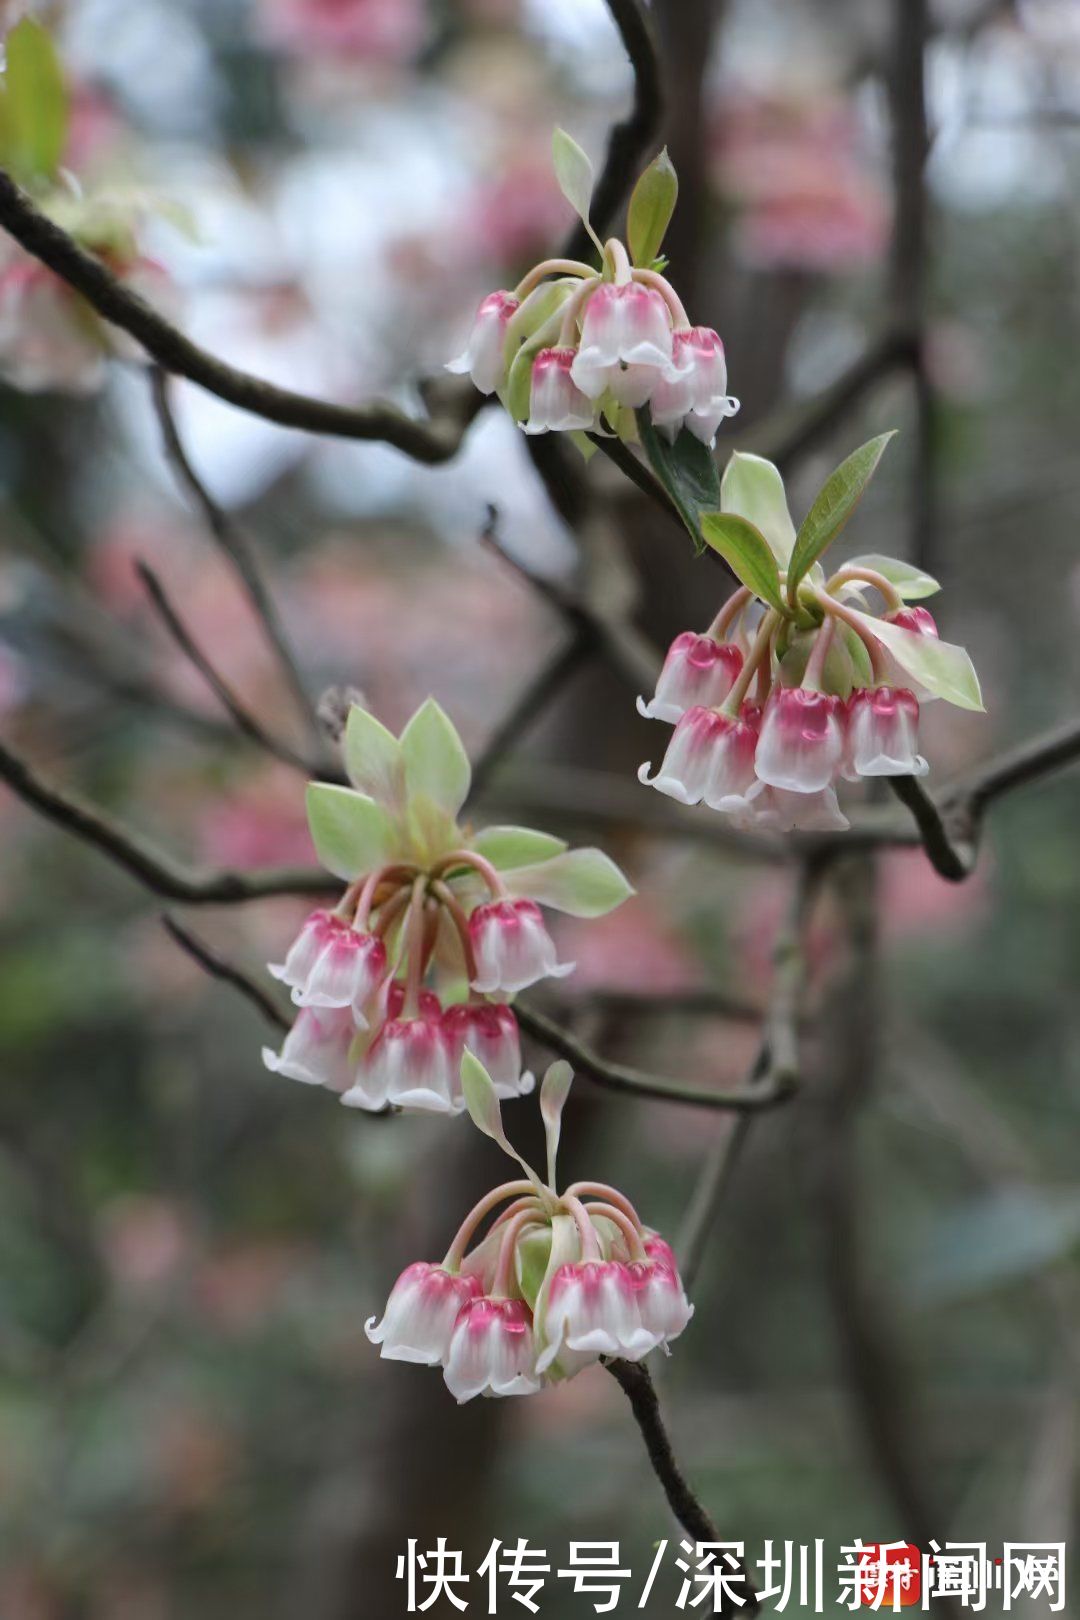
380, 30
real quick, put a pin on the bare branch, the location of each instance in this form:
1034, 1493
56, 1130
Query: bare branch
165, 343
155, 870
218, 968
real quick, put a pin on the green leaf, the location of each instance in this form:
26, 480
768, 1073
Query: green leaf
582, 882
484, 1109
747, 553
942, 668
373, 759
652, 204
531, 1259
553, 1094
436, 764
911, 582
505, 847
836, 500
687, 471
752, 488
35, 119
857, 652
574, 173
351, 833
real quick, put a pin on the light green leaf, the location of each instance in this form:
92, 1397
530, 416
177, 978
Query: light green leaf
911, 582
582, 882
485, 1112
515, 846
687, 471
553, 1094
436, 763
351, 833
531, 1260
574, 173
838, 674
373, 759
942, 668
747, 553
35, 116
836, 500
752, 488
652, 204
857, 652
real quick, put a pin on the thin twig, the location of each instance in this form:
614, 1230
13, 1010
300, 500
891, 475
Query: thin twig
177, 354
218, 968
235, 546
636, 1384
635, 1082
246, 723
152, 868
629, 139
549, 680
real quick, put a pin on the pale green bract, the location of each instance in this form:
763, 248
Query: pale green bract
752, 488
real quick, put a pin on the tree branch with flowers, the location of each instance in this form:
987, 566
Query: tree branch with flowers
404, 986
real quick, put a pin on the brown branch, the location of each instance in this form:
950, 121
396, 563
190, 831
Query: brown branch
235, 546
218, 968
636, 1384
151, 867
246, 723
175, 353
636, 1083
630, 139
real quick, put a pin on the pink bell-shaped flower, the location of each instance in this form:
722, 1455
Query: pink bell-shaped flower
709, 753
593, 1310
483, 356
769, 809
626, 344
420, 1314
801, 746
698, 670
661, 1298
512, 946
490, 1031
407, 1065
922, 622
316, 1049
491, 1350
883, 733
696, 397
332, 964
556, 403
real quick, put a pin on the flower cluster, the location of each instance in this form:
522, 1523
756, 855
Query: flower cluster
555, 1282
437, 926
578, 348
796, 685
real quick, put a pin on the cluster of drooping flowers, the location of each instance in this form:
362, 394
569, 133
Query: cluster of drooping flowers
556, 1280
50, 337
437, 928
795, 684
576, 348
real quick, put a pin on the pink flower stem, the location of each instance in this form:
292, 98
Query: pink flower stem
466, 857
619, 260
815, 665
456, 912
371, 884
572, 309
758, 652
729, 612
840, 610
414, 945
600, 1189
868, 576
590, 1243
504, 1266
499, 1195
634, 1241
652, 278
550, 267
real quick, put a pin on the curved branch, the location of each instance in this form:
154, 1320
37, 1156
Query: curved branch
218, 968
631, 137
155, 870
165, 343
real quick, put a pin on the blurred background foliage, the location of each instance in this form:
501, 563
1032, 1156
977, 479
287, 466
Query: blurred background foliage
190, 1417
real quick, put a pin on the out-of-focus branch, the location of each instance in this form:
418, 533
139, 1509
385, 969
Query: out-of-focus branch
629, 139
175, 353
702, 1003
635, 1082
235, 546
154, 869
636, 1384
549, 680
218, 968
246, 723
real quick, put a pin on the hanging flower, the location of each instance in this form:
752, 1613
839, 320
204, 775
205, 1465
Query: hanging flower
316, 1049
698, 670
420, 1314
483, 356
513, 948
